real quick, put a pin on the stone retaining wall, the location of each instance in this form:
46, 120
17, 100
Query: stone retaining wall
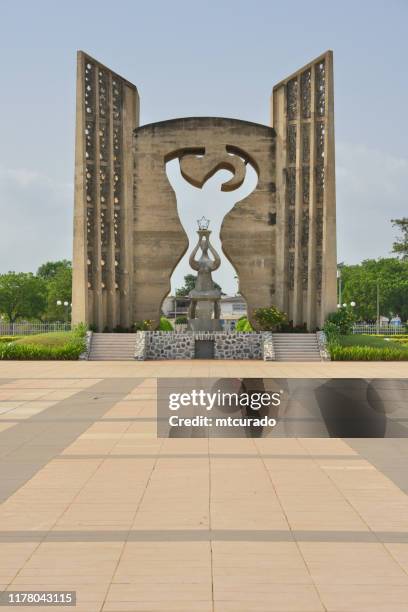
322, 344
227, 345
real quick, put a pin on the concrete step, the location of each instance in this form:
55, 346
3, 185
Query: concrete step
296, 347
112, 347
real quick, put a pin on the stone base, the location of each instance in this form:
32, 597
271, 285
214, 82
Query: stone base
159, 345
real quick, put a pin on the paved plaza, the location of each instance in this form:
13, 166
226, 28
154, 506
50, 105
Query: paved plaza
92, 501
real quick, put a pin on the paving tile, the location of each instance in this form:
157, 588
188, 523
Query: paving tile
364, 598
115, 480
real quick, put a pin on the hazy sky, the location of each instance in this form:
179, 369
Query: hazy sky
189, 58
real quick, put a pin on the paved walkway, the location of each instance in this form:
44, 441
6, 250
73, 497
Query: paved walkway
92, 501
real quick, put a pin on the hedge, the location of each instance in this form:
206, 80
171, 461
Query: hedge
366, 353
69, 351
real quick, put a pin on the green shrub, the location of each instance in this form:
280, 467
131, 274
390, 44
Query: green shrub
243, 325
332, 331
343, 318
145, 325
269, 318
8, 338
366, 353
80, 330
68, 351
181, 320
165, 324
50, 339
289, 328
121, 330
403, 340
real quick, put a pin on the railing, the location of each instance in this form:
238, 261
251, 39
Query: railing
25, 329
180, 327
384, 330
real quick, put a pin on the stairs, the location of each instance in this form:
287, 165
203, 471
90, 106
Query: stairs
112, 347
296, 347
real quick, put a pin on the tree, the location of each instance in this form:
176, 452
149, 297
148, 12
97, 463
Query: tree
22, 295
189, 284
400, 246
360, 285
59, 288
50, 269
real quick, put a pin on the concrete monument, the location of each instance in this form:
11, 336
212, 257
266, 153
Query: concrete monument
128, 238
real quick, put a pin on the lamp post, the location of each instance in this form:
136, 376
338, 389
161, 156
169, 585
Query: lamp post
339, 267
378, 306
66, 305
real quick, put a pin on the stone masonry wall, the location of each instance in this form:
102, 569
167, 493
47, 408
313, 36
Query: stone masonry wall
158, 345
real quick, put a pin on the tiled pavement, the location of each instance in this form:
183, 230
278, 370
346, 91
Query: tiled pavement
94, 502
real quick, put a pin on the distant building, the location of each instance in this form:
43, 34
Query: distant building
232, 308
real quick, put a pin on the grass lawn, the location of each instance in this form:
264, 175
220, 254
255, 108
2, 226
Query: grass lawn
361, 347
371, 341
51, 339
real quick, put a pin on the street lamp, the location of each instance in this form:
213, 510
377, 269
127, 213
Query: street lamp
339, 267
66, 304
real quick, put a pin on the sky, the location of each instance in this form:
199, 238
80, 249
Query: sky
207, 58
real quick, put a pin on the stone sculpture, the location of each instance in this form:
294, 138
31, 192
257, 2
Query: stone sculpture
204, 310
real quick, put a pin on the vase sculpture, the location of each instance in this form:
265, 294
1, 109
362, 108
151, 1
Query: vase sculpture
204, 309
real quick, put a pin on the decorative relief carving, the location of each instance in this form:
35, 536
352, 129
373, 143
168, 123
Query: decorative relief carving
103, 83
305, 228
320, 132
305, 93
90, 220
291, 270
319, 256
320, 77
103, 111
291, 186
306, 143
305, 246
116, 99
117, 102
103, 142
291, 228
305, 185
117, 144
90, 141
104, 200
319, 179
292, 95
319, 227
117, 270
117, 189
319, 275
291, 143
89, 101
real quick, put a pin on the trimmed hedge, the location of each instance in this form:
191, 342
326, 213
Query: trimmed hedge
24, 352
7, 338
366, 353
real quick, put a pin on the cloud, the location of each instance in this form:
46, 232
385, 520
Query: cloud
372, 188
36, 211
35, 219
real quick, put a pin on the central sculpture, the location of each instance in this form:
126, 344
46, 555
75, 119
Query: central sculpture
204, 310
